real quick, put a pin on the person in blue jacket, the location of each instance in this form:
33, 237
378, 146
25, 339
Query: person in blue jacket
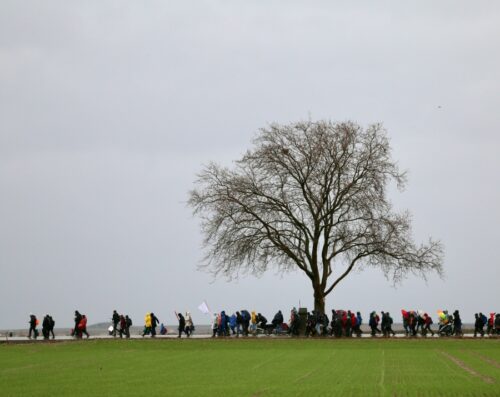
223, 324
359, 321
232, 323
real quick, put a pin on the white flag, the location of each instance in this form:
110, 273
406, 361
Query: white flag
204, 308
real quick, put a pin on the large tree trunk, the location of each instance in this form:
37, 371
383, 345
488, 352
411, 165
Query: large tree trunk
319, 299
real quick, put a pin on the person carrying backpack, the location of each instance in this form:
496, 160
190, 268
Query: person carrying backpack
373, 323
484, 319
245, 318
478, 325
128, 324
427, 325
389, 321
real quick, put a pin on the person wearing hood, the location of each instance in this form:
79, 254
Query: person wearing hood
294, 322
348, 323
33, 323
123, 326
46, 326
189, 324
478, 325
277, 321
78, 318
239, 323
215, 324
261, 321
427, 326
373, 323
457, 323
253, 322
491, 324
154, 324
245, 321
232, 323
182, 324
52, 324
223, 331
82, 326
147, 324
390, 321
412, 323
115, 318
128, 324
383, 324
335, 327
359, 321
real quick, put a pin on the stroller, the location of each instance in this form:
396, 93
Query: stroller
282, 330
445, 324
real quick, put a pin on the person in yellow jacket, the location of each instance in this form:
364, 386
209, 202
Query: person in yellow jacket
147, 324
253, 322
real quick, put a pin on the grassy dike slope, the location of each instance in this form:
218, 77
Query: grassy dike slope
263, 367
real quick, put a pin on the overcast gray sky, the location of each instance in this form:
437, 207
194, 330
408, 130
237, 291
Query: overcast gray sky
108, 109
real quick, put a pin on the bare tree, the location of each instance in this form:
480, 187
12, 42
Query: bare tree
310, 196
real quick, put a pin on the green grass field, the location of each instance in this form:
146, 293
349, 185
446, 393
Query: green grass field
264, 367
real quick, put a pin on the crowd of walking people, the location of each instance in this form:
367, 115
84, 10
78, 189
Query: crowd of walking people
342, 323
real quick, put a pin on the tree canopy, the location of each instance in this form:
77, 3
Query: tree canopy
310, 196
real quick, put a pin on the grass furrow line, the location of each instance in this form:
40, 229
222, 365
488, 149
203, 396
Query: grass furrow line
471, 371
488, 360
267, 361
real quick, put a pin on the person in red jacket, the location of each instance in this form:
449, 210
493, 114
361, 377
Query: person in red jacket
491, 324
353, 323
82, 326
427, 325
344, 323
